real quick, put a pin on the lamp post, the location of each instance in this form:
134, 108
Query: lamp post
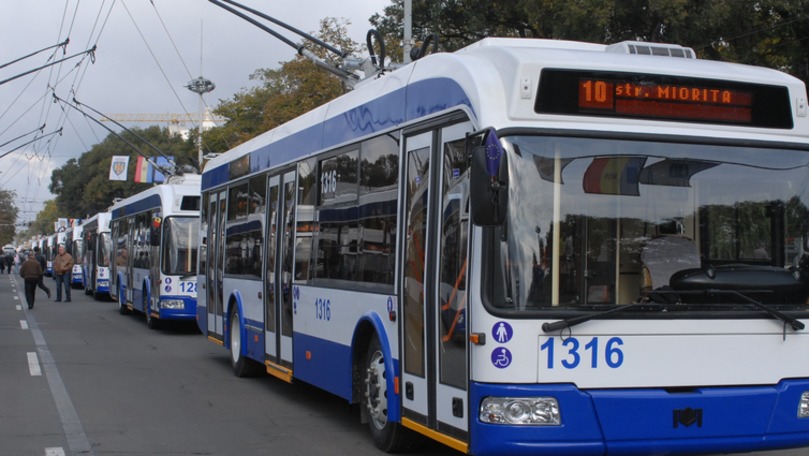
201, 86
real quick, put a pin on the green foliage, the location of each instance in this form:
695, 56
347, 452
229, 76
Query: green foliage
8, 216
296, 87
772, 33
82, 186
43, 224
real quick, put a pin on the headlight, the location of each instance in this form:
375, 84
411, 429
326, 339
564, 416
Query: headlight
172, 304
536, 411
803, 405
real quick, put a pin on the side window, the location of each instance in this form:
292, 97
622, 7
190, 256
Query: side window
243, 232
305, 226
378, 196
338, 237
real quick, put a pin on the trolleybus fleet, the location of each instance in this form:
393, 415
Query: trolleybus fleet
154, 236
530, 246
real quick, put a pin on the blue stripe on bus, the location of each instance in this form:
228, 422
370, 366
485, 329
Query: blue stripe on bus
418, 100
137, 206
644, 421
329, 367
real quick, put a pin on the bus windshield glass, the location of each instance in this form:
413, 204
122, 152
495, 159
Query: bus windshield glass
179, 252
105, 243
598, 222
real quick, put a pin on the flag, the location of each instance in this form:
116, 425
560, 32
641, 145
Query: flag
163, 162
614, 176
143, 171
146, 173
118, 167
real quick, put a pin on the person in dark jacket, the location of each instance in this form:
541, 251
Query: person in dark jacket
41, 259
31, 272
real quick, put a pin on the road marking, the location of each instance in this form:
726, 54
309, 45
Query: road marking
33, 365
54, 451
19, 307
77, 441
23, 324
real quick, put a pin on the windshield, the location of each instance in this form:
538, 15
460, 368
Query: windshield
179, 245
594, 222
105, 244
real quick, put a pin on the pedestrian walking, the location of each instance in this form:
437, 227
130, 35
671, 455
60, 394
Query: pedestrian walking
62, 270
41, 259
31, 271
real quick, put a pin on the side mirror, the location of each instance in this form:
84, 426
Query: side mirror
489, 182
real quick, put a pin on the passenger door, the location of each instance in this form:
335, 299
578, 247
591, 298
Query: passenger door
434, 341
217, 212
278, 290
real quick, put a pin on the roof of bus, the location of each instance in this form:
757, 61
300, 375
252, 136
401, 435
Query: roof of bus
188, 184
486, 70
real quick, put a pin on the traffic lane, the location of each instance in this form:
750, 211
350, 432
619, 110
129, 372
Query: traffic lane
29, 420
171, 391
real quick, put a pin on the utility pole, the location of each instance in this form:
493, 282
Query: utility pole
201, 86
408, 31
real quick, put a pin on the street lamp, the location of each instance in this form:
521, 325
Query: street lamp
201, 86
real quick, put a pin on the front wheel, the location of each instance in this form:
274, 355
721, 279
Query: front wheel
388, 435
242, 366
151, 321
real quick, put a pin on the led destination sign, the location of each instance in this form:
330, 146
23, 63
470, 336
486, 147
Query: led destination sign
663, 97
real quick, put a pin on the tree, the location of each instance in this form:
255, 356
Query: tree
772, 33
43, 223
8, 216
82, 186
298, 86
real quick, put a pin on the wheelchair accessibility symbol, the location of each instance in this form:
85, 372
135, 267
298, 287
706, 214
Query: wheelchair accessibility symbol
501, 357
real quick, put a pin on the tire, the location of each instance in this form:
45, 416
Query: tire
151, 321
122, 309
388, 436
242, 366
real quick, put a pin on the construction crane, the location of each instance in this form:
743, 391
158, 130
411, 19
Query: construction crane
170, 118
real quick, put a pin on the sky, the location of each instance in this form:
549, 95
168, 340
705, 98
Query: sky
147, 52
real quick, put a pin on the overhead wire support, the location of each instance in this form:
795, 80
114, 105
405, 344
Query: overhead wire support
62, 44
346, 76
90, 52
127, 142
151, 146
309, 37
40, 129
59, 131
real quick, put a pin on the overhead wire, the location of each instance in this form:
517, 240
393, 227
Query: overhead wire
151, 52
180, 57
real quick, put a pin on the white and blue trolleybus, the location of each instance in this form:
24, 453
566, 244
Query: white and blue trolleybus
95, 261
154, 238
530, 247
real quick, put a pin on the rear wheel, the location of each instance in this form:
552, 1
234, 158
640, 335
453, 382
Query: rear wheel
242, 366
122, 308
388, 435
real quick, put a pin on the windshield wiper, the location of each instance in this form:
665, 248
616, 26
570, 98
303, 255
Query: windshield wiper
573, 321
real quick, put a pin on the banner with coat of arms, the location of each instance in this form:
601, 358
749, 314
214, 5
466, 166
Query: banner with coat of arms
118, 167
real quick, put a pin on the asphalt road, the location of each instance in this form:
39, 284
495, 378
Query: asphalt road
78, 378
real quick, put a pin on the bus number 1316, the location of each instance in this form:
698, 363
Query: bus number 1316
573, 353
